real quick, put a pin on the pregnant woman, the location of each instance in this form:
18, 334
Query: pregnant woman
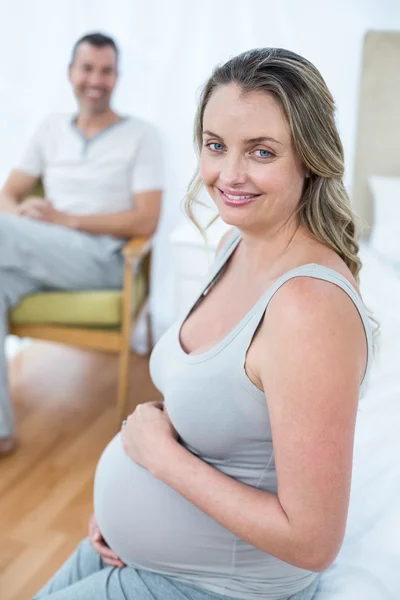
237, 484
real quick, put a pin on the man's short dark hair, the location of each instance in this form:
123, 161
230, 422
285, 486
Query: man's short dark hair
98, 40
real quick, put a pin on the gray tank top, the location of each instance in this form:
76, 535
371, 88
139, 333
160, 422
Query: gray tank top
223, 418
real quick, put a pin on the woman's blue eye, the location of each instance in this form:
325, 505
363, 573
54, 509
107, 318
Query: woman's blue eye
215, 146
264, 153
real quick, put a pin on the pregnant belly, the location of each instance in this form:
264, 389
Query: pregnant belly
149, 525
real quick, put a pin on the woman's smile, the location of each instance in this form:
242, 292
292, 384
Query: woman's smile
237, 198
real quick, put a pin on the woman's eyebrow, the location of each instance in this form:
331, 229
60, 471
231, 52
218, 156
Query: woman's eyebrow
263, 138
211, 134
256, 140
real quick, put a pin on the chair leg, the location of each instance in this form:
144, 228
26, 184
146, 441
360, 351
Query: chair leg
149, 332
123, 384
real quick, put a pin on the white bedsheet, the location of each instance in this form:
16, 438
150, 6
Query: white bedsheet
368, 566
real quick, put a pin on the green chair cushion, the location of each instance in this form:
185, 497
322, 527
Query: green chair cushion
86, 309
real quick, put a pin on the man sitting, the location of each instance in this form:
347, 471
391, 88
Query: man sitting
102, 179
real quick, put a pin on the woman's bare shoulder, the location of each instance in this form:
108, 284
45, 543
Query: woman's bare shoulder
326, 257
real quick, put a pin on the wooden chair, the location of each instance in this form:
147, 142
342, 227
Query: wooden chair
99, 320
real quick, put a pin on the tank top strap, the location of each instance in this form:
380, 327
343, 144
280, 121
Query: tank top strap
318, 272
222, 258
215, 272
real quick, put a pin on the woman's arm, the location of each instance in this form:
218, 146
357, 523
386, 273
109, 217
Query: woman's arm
311, 355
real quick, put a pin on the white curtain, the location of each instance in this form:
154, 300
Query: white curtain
168, 49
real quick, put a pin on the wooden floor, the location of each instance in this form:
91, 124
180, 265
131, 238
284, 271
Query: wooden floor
64, 400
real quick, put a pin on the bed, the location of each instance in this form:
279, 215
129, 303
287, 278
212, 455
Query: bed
368, 566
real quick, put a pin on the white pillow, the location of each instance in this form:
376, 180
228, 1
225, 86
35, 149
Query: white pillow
367, 566
385, 237
380, 289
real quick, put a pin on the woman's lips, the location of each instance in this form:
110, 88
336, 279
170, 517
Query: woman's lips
236, 199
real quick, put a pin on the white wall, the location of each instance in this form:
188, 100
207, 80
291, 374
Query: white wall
168, 50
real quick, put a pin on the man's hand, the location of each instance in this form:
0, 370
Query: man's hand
101, 547
35, 207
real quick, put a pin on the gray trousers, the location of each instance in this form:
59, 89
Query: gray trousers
40, 256
86, 577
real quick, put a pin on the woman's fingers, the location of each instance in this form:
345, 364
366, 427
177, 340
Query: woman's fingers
100, 545
94, 531
91, 527
110, 557
158, 404
114, 563
105, 551
146, 405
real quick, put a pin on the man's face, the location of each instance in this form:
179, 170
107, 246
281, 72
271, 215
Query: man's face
93, 76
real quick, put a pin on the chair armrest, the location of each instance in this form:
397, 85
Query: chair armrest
137, 257
37, 190
136, 249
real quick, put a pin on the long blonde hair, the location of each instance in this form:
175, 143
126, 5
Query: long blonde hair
324, 208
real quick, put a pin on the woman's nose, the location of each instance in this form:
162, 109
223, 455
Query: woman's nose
233, 172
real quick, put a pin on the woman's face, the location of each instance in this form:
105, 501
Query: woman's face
248, 163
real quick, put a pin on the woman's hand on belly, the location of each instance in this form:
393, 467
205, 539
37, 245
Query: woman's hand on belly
101, 546
148, 434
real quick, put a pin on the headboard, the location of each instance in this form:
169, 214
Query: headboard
378, 128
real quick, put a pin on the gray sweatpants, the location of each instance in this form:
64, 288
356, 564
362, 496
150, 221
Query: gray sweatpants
86, 577
40, 256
